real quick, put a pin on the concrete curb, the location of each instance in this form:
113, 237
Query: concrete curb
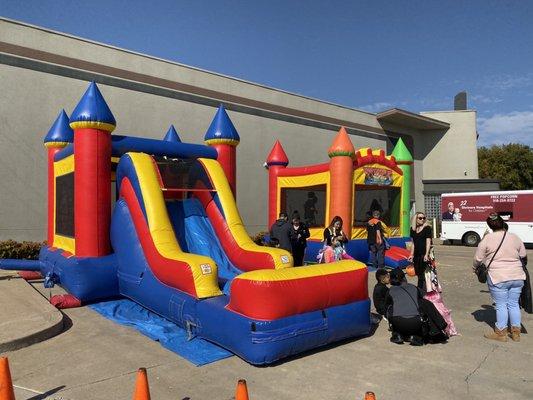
25, 317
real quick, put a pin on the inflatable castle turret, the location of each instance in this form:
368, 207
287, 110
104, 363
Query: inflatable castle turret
223, 136
172, 136
341, 154
404, 159
276, 160
92, 122
59, 136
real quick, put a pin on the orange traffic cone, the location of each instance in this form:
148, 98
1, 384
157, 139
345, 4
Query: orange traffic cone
242, 390
142, 391
6, 386
370, 396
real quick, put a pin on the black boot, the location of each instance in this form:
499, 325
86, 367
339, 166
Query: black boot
396, 338
416, 341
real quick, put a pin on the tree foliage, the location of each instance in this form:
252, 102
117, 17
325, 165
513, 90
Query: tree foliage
511, 164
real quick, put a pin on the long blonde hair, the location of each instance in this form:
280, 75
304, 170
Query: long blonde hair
414, 219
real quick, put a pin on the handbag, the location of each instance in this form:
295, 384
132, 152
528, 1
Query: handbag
525, 297
482, 270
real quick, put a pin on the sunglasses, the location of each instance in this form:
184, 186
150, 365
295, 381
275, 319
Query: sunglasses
421, 218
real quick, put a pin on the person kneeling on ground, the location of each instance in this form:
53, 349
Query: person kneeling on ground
381, 291
411, 317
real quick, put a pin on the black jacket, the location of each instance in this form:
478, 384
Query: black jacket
299, 242
281, 230
372, 230
379, 296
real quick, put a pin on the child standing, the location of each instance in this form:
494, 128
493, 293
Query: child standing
376, 240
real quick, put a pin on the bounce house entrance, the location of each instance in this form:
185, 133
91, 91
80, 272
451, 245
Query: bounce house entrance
386, 200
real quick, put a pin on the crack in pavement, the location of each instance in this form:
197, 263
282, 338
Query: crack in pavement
467, 378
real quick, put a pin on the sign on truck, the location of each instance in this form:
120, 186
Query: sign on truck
464, 214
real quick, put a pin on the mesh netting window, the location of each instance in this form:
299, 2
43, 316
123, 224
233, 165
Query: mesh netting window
182, 174
310, 202
432, 206
370, 198
65, 205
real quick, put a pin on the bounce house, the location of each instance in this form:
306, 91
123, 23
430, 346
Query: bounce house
352, 185
156, 221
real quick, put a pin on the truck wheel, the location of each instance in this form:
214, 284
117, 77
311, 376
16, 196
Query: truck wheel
471, 239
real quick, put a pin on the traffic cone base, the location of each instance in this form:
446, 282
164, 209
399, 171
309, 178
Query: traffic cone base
6, 385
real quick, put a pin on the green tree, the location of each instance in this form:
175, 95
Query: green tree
511, 164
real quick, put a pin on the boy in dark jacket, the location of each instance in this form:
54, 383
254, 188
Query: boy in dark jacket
376, 240
381, 290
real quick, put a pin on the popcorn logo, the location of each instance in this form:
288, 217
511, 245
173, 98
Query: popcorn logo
206, 269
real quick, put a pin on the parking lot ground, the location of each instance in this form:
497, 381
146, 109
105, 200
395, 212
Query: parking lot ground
94, 358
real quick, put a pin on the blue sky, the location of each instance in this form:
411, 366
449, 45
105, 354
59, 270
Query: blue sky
371, 55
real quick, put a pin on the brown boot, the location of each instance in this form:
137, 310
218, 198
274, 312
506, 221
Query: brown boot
498, 334
515, 333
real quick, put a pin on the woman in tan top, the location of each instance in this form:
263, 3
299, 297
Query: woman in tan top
505, 276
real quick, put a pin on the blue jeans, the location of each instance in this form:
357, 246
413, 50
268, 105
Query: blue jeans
377, 255
506, 295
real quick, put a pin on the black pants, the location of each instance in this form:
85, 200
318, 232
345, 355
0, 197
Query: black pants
420, 268
434, 326
407, 326
298, 256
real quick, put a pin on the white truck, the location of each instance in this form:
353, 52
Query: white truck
464, 214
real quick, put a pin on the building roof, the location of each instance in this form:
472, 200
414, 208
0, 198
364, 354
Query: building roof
411, 120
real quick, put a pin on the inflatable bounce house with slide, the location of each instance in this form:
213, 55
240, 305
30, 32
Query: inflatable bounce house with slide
352, 185
171, 239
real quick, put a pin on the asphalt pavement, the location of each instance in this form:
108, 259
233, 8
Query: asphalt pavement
94, 358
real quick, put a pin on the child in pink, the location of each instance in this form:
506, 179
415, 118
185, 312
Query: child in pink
433, 294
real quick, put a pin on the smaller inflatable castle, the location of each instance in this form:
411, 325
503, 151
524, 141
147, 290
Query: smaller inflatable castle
352, 185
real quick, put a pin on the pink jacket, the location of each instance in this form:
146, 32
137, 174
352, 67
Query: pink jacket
506, 266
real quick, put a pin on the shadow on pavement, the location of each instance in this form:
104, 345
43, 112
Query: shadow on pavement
47, 394
486, 314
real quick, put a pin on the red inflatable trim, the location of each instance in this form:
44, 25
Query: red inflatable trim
268, 300
306, 170
369, 158
176, 274
397, 253
63, 301
30, 275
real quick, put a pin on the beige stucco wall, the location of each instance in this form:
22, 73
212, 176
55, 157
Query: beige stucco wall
454, 151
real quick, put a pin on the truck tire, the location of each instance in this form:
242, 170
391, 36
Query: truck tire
471, 239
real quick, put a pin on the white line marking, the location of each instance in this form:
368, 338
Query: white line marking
29, 390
